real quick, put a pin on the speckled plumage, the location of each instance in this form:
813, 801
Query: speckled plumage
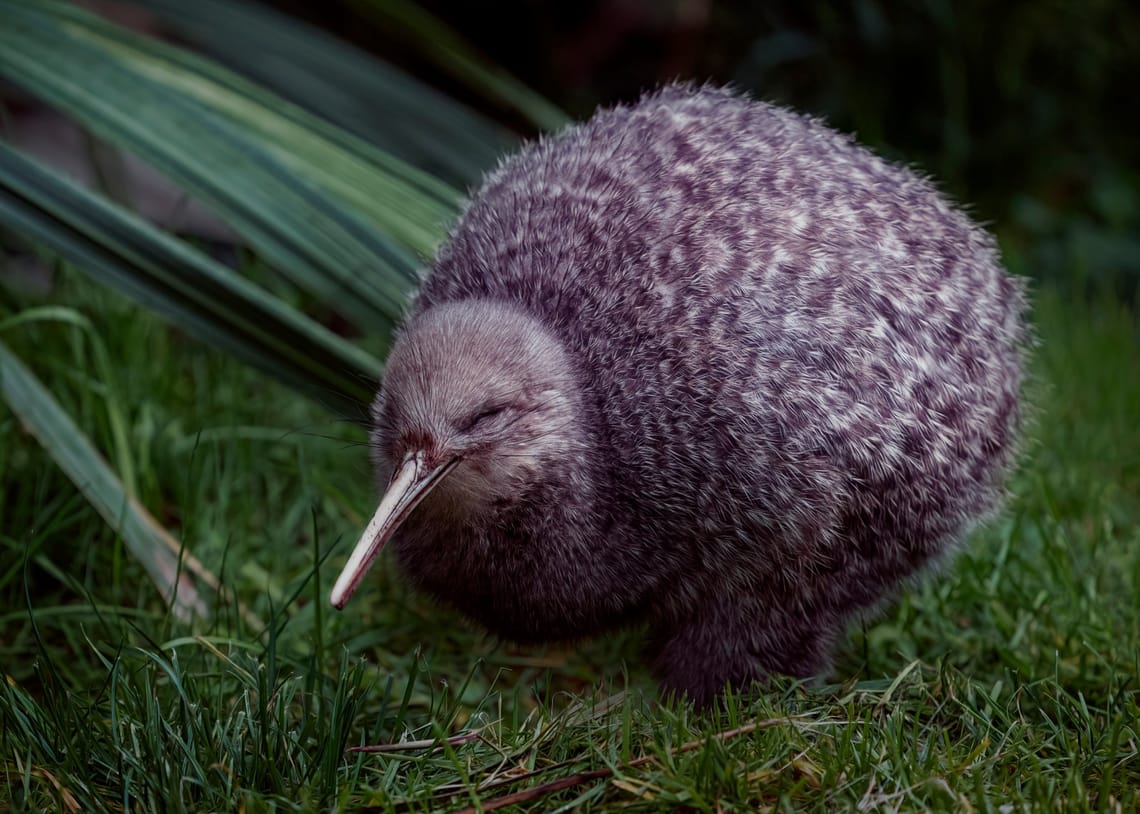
708, 365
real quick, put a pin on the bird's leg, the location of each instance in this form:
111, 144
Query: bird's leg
735, 643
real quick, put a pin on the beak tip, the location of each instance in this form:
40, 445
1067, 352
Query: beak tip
406, 490
340, 595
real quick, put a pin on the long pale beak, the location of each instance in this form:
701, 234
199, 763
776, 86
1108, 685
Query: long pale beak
410, 484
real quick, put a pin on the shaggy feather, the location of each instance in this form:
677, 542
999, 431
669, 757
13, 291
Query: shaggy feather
709, 365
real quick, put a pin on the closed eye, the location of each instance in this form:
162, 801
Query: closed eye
485, 414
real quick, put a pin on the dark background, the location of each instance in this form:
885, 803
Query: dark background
1028, 112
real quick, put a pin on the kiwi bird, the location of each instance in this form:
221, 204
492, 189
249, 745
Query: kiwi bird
700, 364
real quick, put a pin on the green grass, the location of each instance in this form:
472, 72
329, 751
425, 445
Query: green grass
1008, 683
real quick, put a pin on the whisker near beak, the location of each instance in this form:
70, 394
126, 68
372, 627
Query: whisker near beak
410, 484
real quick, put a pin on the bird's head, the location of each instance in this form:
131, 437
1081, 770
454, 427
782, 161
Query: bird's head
478, 404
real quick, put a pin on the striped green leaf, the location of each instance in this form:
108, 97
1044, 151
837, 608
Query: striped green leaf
340, 218
205, 298
452, 53
347, 86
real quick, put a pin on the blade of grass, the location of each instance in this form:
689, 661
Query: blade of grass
182, 285
116, 422
168, 565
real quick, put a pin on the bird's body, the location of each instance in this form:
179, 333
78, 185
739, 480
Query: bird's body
701, 363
